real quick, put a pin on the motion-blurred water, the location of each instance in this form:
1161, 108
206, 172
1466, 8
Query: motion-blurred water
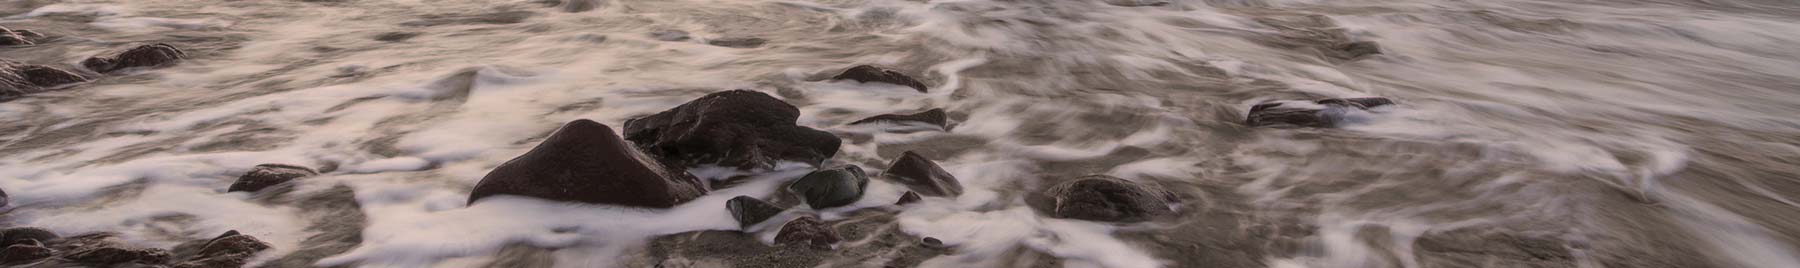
1587, 133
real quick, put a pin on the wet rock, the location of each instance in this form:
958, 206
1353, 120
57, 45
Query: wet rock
829, 188
18, 79
19, 235
10, 37
584, 161
738, 128
28, 251
1138, 3
923, 176
1326, 112
1355, 50
750, 211
738, 42
395, 36
573, 6
935, 117
1106, 198
807, 231
101, 249
867, 73
144, 56
230, 249
909, 197
265, 175
670, 35
496, 18
932, 242
4, 199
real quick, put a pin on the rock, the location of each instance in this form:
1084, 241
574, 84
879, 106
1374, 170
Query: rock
1138, 3
4, 200
10, 37
265, 175
101, 249
737, 128
144, 56
750, 211
829, 188
1327, 112
932, 242
807, 231
909, 197
738, 42
584, 161
923, 176
670, 35
30, 250
230, 249
18, 79
867, 73
1106, 198
495, 18
18, 235
1354, 50
935, 117
573, 6
395, 36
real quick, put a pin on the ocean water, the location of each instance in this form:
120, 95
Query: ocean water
1586, 133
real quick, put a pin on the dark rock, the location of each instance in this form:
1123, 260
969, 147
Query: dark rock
30, 250
807, 231
909, 198
230, 249
828, 188
573, 6
750, 211
18, 235
1354, 50
935, 117
1138, 3
923, 176
265, 175
18, 79
1329, 113
737, 128
1106, 198
144, 56
932, 242
10, 37
738, 42
4, 199
395, 36
670, 35
867, 73
101, 249
584, 161
28, 33
496, 18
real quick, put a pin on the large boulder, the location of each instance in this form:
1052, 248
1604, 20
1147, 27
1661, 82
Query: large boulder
230, 249
1320, 113
750, 211
101, 249
829, 188
868, 73
737, 128
586, 162
1107, 198
19, 235
18, 79
144, 56
923, 176
265, 175
807, 231
935, 117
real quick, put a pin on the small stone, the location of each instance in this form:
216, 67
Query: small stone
670, 35
750, 211
1327, 113
144, 56
869, 73
738, 42
807, 231
829, 188
265, 175
1355, 50
584, 161
909, 198
935, 117
395, 36
923, 176
932, 242
19, 235
1106, 198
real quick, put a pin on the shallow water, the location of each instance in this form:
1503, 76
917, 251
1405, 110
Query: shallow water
1597, 133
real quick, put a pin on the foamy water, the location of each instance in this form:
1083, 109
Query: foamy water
1602, 133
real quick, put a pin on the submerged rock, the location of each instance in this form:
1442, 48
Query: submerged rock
30, 250
670, 35
265, 175
867, 73
144, 56
738, 42
750, 211
1328, 112
1354, 50
738, 128
909, 197
4, 199
923, 176
935, 117
807, 231
18, 79
495, 18
10, 37
395, 36
1106, 198
584, 161
100, 249
230, 249
828, 188
19, 235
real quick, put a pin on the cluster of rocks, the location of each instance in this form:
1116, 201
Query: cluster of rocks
37, 247
18, 79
